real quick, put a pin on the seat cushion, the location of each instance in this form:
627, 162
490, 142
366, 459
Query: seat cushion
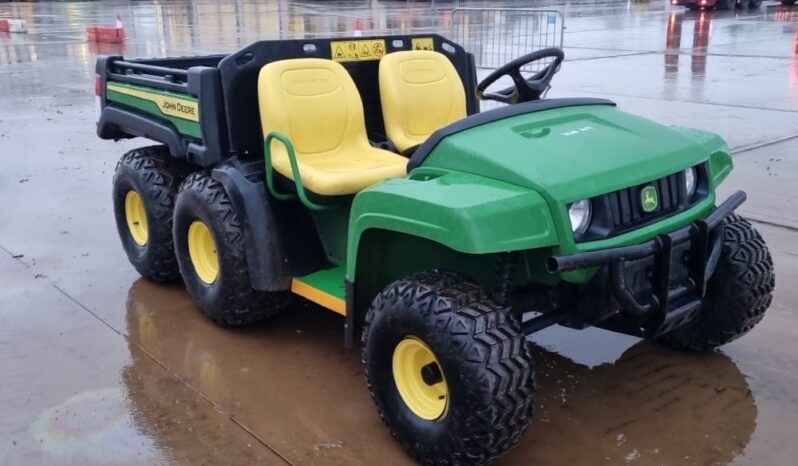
316, 104
339, 173
420, 92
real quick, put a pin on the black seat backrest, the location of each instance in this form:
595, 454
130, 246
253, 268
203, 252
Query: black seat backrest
239, 76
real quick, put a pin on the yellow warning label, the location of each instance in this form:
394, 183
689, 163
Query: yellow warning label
422, 43
357, 50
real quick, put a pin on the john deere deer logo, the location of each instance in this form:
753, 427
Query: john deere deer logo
648, 199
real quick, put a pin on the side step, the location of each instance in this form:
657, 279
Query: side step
324, 287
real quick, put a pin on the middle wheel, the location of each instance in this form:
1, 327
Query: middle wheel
209, 245
448, 369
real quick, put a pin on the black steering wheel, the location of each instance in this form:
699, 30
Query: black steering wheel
525, 89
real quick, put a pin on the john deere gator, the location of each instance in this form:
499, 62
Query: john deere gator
360, 174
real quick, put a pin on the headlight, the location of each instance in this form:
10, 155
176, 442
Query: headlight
690, 181
580, 213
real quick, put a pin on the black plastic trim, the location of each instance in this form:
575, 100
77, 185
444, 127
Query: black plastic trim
582, 260
118, 123
350, 330
205, 83
243, 182
158, 83
183, 62
660, 283
101, 68
495, 115
618, 212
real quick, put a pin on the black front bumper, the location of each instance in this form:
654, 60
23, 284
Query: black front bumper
660, 283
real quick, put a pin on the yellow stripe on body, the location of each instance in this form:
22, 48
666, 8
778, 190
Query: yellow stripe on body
172, 106
318, 296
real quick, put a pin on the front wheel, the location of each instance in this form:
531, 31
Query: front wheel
738, 295
448, 369
209, 243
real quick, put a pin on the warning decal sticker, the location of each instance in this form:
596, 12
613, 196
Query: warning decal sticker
357, 50
423, 43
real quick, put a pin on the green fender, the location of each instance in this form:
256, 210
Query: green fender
467, 213
720, 161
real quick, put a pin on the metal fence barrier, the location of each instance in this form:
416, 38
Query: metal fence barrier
498, 35
439, 4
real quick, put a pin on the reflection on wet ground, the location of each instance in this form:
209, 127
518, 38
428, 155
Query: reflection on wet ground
651, 404
100, 367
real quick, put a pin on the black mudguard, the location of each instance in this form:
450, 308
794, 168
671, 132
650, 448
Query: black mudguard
244, 183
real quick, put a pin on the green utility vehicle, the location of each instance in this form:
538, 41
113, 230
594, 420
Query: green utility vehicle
360, 175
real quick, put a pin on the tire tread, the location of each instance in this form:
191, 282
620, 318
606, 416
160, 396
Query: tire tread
487, 335
162, 174
240, 304
739, 294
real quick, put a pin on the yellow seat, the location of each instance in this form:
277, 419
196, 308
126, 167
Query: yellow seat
421, 92
316, 104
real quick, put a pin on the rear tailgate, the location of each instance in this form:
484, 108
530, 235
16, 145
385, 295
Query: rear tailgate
181, 108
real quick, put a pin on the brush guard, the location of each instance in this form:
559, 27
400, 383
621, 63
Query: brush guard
677, 267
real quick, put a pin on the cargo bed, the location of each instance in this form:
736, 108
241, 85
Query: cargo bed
205, 108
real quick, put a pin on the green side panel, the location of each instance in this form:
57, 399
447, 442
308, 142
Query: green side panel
331, 281
505, 186
332, 225
574, 153
186, 127
464, 212
720, 161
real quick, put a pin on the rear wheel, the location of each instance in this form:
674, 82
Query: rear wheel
448, 369
210, 250
725, 4
788, 2
145, 184
738, 295
754, 4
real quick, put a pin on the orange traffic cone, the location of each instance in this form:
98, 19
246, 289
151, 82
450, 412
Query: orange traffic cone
358, 28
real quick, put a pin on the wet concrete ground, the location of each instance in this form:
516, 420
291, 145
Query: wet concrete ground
98, 366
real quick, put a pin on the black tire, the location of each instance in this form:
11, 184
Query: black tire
725, 4
230, 300
483, 357
155, 176
692, 6
788, 2
754, 4
738, 295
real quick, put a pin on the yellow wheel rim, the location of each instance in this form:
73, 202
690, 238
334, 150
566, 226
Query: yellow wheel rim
202, 250
419, 379
136, 217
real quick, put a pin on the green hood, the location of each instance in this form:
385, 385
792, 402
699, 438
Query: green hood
573, 153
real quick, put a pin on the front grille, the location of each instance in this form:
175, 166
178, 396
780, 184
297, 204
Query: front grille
621, 211
627, 210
